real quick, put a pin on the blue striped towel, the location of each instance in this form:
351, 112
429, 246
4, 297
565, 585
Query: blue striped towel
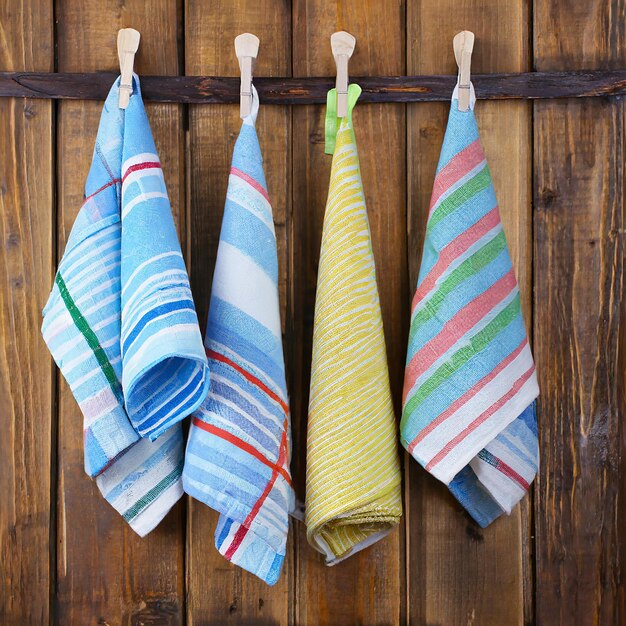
239, 445
121, 324
470, 383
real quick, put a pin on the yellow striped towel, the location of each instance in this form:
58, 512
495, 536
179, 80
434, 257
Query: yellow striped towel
353, 494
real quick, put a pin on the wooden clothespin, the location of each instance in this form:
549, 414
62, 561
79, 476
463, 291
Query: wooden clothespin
463, 44
246, 49
127, 44
342, 45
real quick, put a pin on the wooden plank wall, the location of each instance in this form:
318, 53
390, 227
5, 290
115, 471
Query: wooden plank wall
558, 168
579, 294
27, 412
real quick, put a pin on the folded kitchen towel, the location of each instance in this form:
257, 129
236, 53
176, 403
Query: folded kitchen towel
239, 446
470, 383
121, 325
353, 495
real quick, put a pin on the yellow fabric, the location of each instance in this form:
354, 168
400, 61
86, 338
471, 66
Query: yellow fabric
353, 494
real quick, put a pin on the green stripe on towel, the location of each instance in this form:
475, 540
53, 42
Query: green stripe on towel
89, 335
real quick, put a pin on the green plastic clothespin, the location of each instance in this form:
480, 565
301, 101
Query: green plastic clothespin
332, 120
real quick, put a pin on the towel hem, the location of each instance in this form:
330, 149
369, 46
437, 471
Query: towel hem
152, 516
448, 471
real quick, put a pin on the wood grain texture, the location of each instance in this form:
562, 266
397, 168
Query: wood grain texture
367, 588
26, 383
67, 557
219, 592
579, 327
312, 90
458, 572
106, 573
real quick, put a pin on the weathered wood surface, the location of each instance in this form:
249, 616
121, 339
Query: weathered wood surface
27, 416
105, 573
312, 90
218, 592
459, 573
67, 557
579, 323
368, 588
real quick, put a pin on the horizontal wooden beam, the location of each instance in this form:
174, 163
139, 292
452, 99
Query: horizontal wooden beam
216, 90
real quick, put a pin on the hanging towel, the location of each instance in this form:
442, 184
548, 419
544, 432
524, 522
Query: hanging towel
239, 446
353, 495
470, 383
121, 324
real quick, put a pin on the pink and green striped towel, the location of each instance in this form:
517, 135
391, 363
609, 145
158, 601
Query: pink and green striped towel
470, 384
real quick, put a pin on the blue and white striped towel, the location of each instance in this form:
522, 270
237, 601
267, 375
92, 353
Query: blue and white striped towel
239, 445
121, 324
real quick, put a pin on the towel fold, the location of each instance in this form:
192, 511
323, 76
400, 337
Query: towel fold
353, 494
239, 446
121, 324
470, 383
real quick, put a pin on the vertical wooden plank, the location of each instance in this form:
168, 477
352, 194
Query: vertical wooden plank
26, 264
459, 573
235, 596
367, 588
106, 573
579, 328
